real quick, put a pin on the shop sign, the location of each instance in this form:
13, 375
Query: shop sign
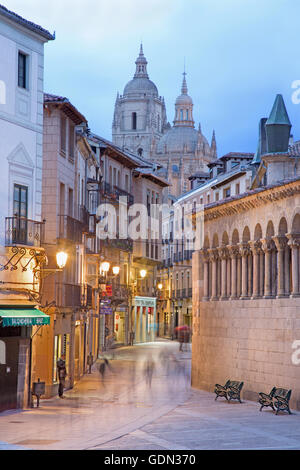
105, 310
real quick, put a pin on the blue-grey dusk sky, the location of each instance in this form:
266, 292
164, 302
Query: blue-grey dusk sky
239, 54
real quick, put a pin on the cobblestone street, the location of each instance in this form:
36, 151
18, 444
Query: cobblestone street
124, 413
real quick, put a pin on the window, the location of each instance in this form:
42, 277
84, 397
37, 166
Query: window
226, 193
158, 122
134, 120
71, 142
187, 115
181, 114
127, 183
23, 70
237, 188
140, 152
208, 199
20, 212
217, 196
63, 135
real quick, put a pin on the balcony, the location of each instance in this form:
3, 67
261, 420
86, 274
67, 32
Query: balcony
68, 295
22, 231
71, 229
183, 293
119, 243
114, 193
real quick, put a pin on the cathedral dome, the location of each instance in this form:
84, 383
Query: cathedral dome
179, 138
140, 85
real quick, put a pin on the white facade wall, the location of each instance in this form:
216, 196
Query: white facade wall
21, 120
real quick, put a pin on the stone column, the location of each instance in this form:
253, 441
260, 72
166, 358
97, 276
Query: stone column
294, 243
233, 252
205, 258
256, 251
228, 276
223, 255
244, 251
261, 272
213, 254
280, 243
267, 246
287, 270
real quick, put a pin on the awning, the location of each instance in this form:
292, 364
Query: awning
23, 317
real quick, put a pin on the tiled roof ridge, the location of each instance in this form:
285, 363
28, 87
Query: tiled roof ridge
29, 24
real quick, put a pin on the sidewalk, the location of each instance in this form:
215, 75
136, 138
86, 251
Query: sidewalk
124, 414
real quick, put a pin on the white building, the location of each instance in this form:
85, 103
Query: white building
21, 150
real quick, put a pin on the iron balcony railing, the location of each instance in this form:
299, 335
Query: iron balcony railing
68, 295
114, 192
123, 244
71, 229
23, 231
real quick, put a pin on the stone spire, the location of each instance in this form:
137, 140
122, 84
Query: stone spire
184, 107
141, 65
278, 127
213, 145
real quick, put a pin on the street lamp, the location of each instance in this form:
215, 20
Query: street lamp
61, 259
143, 273
104, 268
116, 270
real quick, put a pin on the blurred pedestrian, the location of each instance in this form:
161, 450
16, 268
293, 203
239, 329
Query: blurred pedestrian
103, 366
62, 373
90, 361
148, 370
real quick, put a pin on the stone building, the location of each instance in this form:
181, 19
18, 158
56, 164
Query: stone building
140, 125
21, 151
183, 150
246, 276
140, 117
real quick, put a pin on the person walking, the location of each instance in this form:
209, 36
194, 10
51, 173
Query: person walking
90, 361
102, 368
148, 371
62, 373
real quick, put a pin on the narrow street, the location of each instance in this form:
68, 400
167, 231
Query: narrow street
124, 413
95, 413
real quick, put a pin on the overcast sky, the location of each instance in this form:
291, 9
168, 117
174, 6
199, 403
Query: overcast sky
239, 54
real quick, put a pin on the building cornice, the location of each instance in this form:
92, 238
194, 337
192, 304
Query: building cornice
252, 200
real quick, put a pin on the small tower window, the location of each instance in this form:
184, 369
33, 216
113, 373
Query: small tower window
134, 121
181, 114
187, 115
140, 152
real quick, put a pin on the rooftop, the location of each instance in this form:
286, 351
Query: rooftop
10, 15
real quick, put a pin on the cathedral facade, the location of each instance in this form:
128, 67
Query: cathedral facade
140, 125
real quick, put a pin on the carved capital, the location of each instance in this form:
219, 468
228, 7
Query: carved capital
223, 252
294, 240
234, 251
256, 247
205, 255
244, 249
267, 245
213, 254
280, 242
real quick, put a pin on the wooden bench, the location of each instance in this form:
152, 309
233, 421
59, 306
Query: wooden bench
231, 390
277, 399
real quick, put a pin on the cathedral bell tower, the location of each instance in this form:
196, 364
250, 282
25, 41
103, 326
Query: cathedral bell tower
140, 117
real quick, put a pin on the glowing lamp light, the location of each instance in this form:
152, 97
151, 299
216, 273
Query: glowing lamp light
160, 286
116, 270
143, 273
61, 259
105, 267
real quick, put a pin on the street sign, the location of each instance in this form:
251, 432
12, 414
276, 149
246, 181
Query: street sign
105, 310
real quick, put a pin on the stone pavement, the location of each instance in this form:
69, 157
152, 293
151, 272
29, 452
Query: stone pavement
123, 413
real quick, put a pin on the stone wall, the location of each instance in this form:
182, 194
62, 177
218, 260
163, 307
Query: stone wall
250, 341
